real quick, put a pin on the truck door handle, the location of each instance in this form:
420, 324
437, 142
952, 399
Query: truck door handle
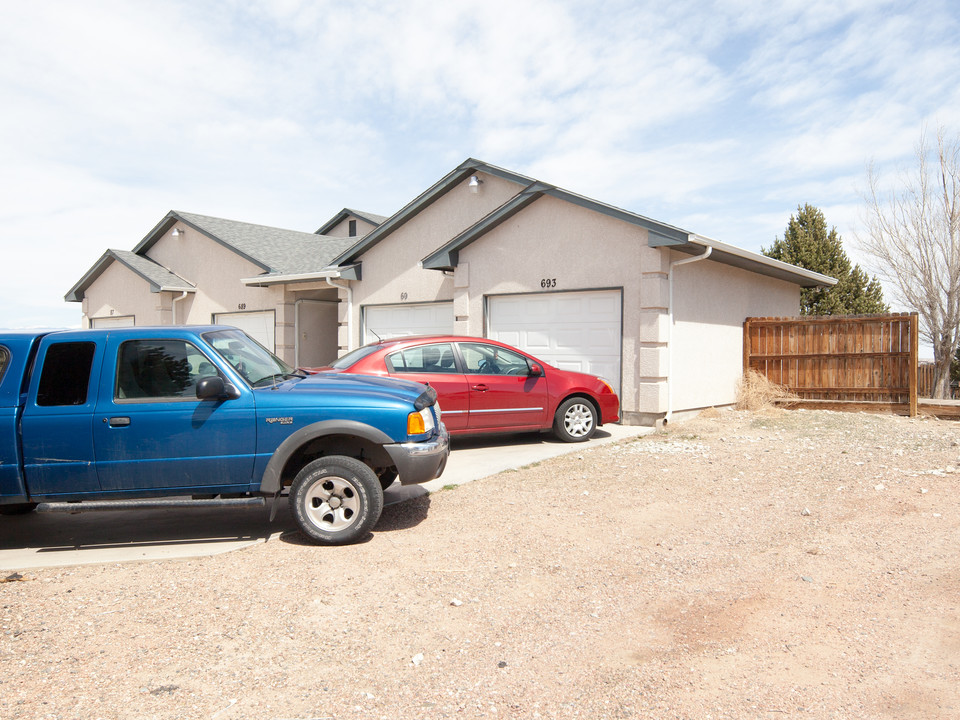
480, 388
118, 421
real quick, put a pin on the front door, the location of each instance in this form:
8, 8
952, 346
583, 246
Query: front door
151, 431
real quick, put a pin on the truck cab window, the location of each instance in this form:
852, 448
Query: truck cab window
66, 374
153, 369
4, 360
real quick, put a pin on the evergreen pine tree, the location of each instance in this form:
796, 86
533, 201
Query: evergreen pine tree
807, 244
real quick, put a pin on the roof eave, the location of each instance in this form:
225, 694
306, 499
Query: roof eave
286, 278
754, 262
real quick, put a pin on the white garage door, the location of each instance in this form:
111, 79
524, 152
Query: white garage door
570, 330
261, 326
389, 321
113, 321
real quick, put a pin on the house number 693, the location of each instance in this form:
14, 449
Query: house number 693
548, 283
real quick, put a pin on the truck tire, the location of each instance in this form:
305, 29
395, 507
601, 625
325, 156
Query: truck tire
575, 420
336, 500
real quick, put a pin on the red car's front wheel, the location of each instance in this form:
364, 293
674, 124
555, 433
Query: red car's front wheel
575, 420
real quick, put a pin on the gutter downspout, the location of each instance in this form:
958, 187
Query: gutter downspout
674, 264
173, 305
345, 285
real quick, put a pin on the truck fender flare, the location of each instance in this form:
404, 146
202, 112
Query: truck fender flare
272, 483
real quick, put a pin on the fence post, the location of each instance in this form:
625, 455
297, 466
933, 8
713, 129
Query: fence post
746, 345
914, 355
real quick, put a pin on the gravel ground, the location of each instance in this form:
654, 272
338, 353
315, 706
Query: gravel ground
741, 565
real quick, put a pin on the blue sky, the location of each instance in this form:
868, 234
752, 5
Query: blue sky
718, 117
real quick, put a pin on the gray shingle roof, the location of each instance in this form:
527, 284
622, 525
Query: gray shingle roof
158, 277
275, 250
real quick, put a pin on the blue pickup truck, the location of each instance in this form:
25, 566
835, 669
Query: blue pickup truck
186, 416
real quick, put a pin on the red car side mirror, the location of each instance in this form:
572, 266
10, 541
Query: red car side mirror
535, 370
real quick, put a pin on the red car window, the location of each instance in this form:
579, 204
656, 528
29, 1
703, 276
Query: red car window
436, 358
483, 359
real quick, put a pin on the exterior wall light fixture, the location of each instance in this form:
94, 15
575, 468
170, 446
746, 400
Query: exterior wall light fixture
474, 184
178, 233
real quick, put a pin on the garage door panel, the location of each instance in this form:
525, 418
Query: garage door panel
578, 331
390, 321
261, 326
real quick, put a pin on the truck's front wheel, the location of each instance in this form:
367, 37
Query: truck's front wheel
336, 500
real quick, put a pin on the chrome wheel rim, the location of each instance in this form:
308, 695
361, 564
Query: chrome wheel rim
332, 504
578, 420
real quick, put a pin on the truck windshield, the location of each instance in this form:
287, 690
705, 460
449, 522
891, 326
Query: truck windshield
257, 365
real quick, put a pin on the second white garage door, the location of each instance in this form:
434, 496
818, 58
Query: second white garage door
389, 321
261, 325
570, 330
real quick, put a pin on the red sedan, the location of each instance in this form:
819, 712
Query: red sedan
487, 386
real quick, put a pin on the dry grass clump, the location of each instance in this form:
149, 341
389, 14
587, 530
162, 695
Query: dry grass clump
756, 392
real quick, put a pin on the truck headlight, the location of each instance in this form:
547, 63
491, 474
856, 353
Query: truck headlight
419, 423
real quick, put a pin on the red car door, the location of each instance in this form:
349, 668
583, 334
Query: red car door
503, 394
435, 365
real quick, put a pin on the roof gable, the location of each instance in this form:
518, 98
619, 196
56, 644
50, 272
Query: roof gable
346, 213
158, 277
658, 235
468, 167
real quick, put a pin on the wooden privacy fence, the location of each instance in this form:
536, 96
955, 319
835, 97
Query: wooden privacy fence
849, 358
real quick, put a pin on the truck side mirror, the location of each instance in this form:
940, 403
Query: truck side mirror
214, 388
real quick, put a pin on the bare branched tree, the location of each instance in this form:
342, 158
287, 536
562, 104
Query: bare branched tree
913, 234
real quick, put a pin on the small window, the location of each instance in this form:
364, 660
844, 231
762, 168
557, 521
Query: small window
424, 359
4, 361
483, 359
66, 374
352, 228
153, 369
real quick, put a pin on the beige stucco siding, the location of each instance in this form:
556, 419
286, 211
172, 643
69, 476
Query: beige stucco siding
391, 269
216, 271
342, 228
120, 291
711, 301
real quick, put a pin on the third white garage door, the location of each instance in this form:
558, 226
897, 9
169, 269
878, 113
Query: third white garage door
571, 330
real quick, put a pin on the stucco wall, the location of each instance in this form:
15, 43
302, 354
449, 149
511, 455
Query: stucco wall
711, 301
120, 291
391, 269
342, 228
216, 272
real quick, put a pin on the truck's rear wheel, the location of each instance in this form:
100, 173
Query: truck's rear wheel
336, 500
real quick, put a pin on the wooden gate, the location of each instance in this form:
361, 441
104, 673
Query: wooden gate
851, 358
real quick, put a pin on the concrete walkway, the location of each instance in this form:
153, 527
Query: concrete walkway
60, 540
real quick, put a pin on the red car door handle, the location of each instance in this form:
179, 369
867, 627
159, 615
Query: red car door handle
480, 388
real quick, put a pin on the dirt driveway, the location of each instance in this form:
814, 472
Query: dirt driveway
790, 564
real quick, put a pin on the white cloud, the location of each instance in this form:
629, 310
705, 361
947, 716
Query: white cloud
716, 116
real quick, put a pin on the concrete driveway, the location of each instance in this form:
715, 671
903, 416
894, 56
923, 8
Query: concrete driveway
58, 540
